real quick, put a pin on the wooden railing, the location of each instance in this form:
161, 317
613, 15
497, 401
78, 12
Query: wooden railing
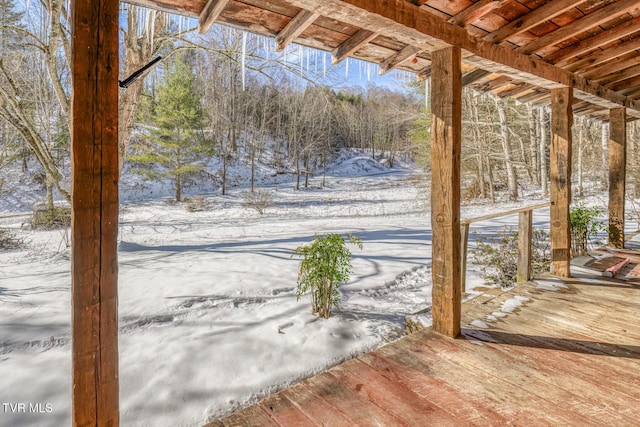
525, 234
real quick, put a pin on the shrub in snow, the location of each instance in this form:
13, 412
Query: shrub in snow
46, 217
196, 204
259, 200
584, 226
8, 239
498, 256
325, 265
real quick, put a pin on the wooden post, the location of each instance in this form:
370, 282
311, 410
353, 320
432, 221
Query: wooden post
617, 175
446, 96
525, 235
464, 243
560, 174
94, 218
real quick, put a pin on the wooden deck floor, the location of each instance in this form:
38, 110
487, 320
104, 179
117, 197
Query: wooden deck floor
569, 356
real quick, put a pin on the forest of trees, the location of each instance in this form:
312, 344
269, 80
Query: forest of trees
229, 96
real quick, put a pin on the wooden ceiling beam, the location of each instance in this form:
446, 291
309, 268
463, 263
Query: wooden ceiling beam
294, 28
603, 56
626, 86
562, 57
580, 25
634, 93
398, 58
474, 12
517, 89
424, 74
594, 73
535, 96
619, 75
532, 19
210, 13
352, 45
474, 76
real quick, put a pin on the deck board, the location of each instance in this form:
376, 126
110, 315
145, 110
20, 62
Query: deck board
565, 357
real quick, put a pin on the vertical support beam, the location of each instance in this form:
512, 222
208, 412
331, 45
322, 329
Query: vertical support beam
464, 243
525, 236
560, 177
94, 218
617, 175
446, 135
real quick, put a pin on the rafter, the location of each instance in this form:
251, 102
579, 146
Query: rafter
605, 55
398, 58
424, 74
210, 13
626, 86
594, 73
580, 25
562, 57
619, 75
476, 11
352, 45
521, 88
536, 17
294, 28
474, 76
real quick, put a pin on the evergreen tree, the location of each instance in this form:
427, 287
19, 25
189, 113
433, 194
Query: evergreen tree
176, 145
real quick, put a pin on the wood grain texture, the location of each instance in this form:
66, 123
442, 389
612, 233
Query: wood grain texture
351, 45
210, 13
560, 180
294, 28
580, 25
571, 351
617, 175
537, 16
446, 135
94, 218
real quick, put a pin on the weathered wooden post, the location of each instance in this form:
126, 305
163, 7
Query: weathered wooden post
446, 99
560, 174
94, 220
525, 236
617, 175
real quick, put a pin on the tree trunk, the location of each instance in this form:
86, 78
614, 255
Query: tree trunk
580, 157
490, 175
544, 138
512, 180
178, 188
604, 166
533, 144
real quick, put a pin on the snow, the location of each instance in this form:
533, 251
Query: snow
209, 319
510, 305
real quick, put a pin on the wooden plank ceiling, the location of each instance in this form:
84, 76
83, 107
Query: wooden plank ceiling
513, 48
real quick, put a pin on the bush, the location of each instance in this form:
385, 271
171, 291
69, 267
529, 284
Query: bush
259, 200
584, 226
9, 240
325, 265
197, 204
46, 218
498, 256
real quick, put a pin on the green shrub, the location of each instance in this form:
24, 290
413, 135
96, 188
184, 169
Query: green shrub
498, 256
325, 265
584, 226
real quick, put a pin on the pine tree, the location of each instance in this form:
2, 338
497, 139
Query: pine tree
176, 145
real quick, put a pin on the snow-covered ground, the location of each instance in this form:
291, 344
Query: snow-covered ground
209, 320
